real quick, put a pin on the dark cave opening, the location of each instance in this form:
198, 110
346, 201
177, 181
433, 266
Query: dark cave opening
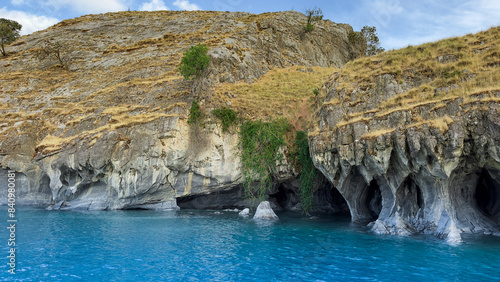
283, 197
487, 195
373, 199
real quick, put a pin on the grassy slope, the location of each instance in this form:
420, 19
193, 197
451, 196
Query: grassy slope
471, 70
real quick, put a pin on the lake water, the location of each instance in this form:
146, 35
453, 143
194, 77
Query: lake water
208, 246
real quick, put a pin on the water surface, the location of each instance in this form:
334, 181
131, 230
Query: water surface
212, 246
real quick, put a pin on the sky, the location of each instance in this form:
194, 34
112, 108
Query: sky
399, 23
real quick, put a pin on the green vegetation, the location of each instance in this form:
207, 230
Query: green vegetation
372, 40
260, 153
313, 15
355, 37
307, 170
194, 61
9, 32
194, 112
451, 74
226, 116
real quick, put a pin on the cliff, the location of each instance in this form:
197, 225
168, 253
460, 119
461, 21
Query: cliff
109, 130
411, 137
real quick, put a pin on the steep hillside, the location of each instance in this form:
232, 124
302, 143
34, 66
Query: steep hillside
411, 137
109, 130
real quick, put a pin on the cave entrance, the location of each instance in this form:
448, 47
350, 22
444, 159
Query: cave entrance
373, 200
285, 196
487, 195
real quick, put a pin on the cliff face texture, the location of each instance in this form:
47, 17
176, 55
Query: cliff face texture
411, 138
110, 130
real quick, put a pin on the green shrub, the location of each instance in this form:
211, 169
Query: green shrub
194, 112
355, 37
316, 91
226, 116
308, 28
307, 170
451, 74
260, 144
194, 61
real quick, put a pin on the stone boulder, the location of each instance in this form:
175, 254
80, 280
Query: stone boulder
264, 211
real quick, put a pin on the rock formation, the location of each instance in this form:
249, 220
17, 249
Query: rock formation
109, 130
264, 211
411, 141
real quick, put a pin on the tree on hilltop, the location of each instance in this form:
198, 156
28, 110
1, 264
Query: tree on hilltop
313, 15
370, 34
9, 32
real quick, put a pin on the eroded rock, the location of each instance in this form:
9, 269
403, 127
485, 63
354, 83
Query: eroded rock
264, 211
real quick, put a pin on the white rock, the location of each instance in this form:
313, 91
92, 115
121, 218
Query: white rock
264, 211
244, 212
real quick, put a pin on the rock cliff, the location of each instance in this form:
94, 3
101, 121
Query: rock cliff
411, 138
109, 130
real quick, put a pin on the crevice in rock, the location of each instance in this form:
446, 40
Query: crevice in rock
410, 198
373, 199
487, 196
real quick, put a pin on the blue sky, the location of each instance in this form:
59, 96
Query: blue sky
399, 22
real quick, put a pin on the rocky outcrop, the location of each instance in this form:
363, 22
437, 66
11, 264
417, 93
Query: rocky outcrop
409, 165
265, 212
110, 131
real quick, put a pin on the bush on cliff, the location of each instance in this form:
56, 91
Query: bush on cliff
307, 170
260, 153
226, 116
194, 61
194, 112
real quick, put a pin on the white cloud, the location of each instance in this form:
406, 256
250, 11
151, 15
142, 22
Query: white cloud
87, 6
154, 5
401, 23
17, 2
185, 5
30, 22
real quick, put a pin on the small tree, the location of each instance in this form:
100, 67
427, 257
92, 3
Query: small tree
372, 41
194, 61
53, 49
9, 32
313, 15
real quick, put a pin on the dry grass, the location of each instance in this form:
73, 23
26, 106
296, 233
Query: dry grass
287, 92
471, 68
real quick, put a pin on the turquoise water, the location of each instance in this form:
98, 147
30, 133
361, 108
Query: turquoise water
206, 246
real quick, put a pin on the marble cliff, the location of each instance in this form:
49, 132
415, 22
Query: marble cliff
107, 129
411, 137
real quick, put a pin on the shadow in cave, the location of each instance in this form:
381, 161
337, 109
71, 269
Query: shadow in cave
487, 196
409, 198
373, 199
326, 198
